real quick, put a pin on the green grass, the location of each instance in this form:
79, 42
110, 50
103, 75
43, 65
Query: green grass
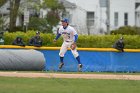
53, 85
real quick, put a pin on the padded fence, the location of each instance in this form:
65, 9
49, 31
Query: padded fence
47, 58
97, 61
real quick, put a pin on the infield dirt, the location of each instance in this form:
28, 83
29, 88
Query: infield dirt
65, 75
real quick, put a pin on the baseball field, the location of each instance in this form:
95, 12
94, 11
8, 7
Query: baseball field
43, 82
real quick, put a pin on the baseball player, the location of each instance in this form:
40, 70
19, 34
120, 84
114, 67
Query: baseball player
70, 37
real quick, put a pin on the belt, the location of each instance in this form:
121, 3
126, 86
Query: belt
68, 41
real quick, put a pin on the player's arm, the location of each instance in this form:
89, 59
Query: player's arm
75, 35
58, 35
75, 38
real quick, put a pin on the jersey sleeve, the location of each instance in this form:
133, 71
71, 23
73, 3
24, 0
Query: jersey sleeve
59, 32
74, 31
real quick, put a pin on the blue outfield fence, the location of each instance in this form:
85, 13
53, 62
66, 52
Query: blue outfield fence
93, 59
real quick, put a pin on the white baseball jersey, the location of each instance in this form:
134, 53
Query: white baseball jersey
68, 33
68, 37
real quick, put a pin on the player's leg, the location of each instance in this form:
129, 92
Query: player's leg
76, 55
62, 52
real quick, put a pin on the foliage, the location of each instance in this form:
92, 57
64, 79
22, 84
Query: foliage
52, 19
39, 24
127, 30
53, 5
1, 20
18, 28
30, 4
14, 6
2, 2
84, 41
53, 16
1, 23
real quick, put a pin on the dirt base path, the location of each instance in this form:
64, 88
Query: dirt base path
60, 75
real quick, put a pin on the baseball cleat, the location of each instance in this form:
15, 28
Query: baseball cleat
79, 67
61, 65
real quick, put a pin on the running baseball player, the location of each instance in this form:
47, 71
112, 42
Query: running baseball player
70, 37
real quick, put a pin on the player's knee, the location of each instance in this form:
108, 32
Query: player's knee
61, 54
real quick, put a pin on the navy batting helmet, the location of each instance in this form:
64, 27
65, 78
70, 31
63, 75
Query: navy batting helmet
65, 20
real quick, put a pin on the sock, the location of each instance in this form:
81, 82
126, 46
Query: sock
78, 59
61, 59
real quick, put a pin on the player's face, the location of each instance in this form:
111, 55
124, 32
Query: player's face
64, 24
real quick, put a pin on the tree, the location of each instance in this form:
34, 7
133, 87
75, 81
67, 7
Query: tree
53, 16
1, 22
53, 5
39, 24
2, 2
52, 19
14, 6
